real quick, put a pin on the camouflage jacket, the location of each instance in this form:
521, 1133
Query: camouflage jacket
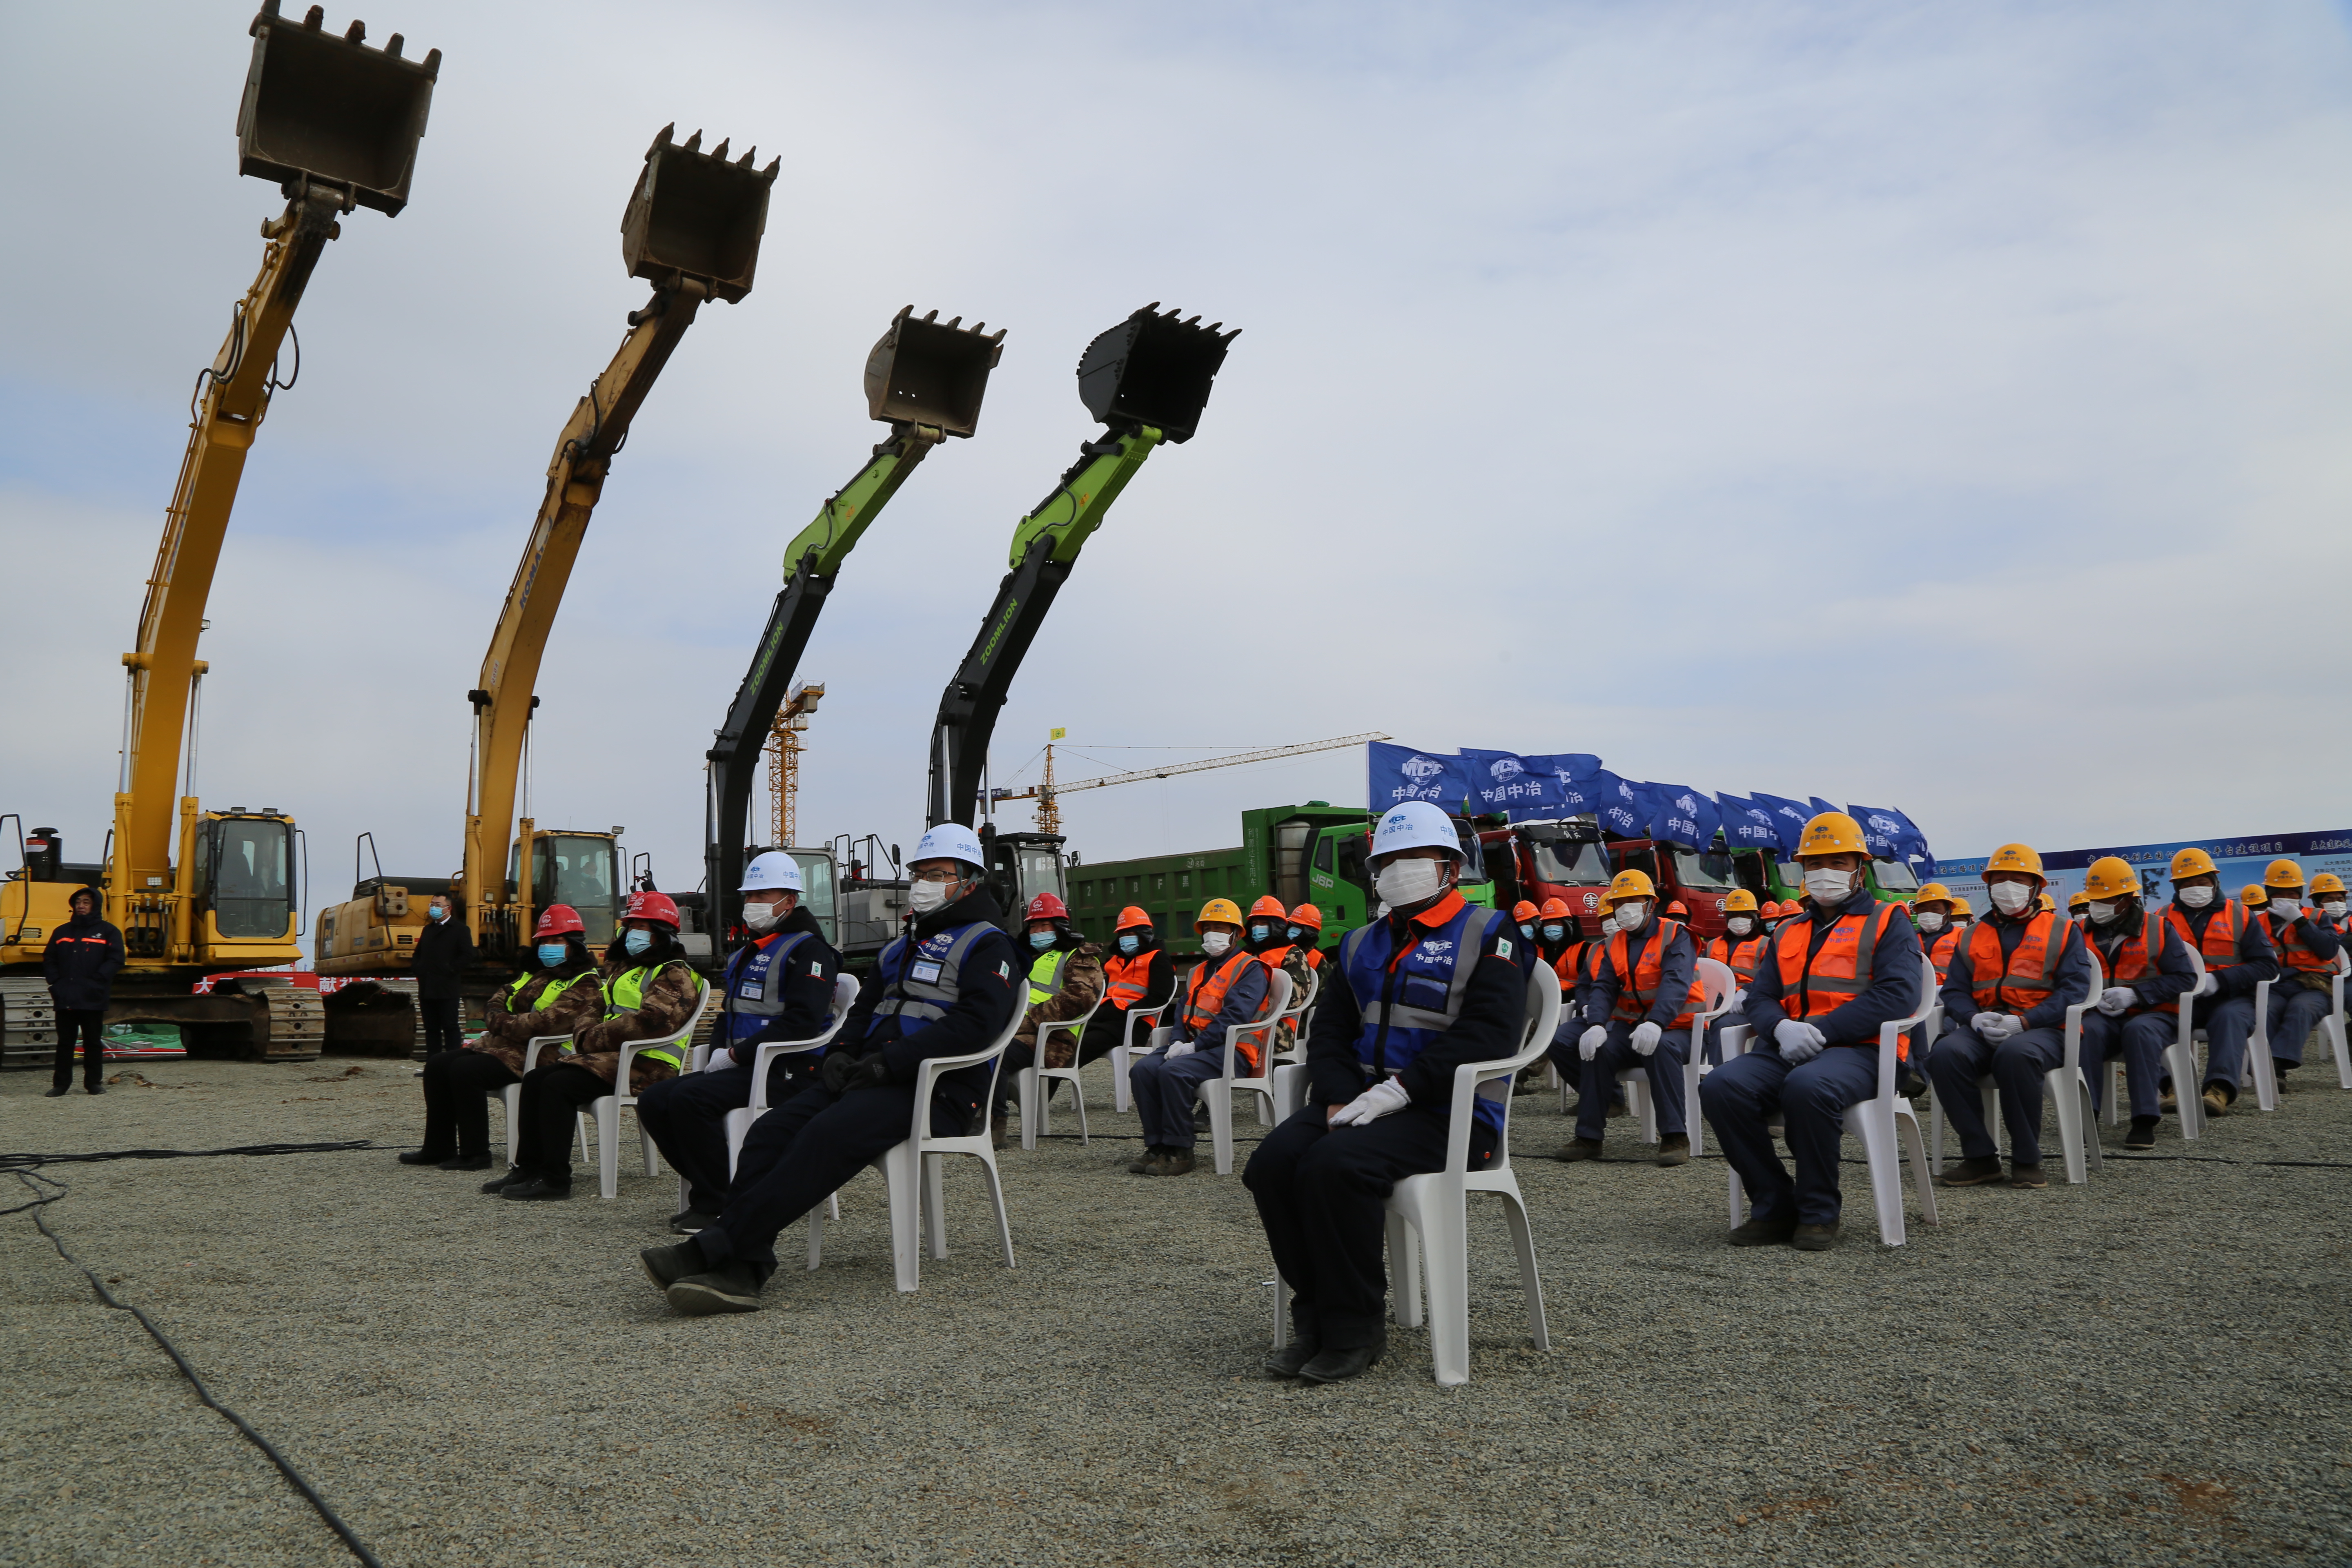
662, 1007
1082, 987
1293, 963
509, 1034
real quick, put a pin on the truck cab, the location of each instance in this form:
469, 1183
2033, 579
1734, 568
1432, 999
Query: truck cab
1563, 859
1701, 879
1771, 879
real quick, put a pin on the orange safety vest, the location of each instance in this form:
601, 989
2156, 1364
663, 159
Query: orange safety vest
1637, 982
2032, 972
1129, 978
2138, 955
2295, 954
1204, 998
1569, 964
1740, 959
1272, 957
1819, 983
1939, 952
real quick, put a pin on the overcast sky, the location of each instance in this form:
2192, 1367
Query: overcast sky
1933, 406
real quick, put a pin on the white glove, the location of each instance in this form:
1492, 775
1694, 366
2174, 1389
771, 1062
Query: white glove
1382, 1099
1995, 1028
1587, 1046
1180, 1048
1646, 1037
2206, 986
2116, 998
1800, 1042
1739, 1000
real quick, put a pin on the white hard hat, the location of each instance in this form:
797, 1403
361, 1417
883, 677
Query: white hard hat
773, 870
951, 841
1415, 825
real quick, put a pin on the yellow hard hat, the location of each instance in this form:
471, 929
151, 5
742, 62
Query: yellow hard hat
1960, 909
2253, 896
2045, 904
1628, 885
1740, 902
2079, 902
2282, 874
2015, 857
1224, 910
1931, 893
1832, 833
2192, 862
2111, 876
2327, 883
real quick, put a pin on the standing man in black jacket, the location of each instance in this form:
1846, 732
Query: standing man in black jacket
443, 951
947, 988
79, 966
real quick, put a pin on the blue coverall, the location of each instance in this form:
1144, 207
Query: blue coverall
1664, 1067
1963, 1057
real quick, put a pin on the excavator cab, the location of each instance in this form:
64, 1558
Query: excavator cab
1153, 370
323, 106
695, 214
924, 372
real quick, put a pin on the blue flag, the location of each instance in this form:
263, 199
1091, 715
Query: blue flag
1566, 767
1682, 816
1626, 808
1505, 781
1400, 774
1748, 826
1894, 835
1586, 796
1789, 816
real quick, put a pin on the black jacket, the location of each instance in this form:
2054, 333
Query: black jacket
808, 988
83, 955
995, 987
444, 950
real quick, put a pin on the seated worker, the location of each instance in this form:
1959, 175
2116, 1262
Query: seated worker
557, 993
1932, 910
1637, 1016
2237, 957
1559, 946
1226, 988
2148, 971
1266, 938
1679, 910
1436, 982
1739, 949
1307, 931
1138, 974
2306, 950
2076, 905
1829, 982
2327, 895
1523, 915
650, 990
1065, 981
778, 986
2006, 992
947, 987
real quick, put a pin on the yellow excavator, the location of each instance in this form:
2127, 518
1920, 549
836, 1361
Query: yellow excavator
196, 891
692, 228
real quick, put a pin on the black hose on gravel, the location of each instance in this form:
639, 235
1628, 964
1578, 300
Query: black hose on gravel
48, 1190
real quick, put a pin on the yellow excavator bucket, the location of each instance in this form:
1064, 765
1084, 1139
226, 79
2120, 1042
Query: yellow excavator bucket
695, 214
927, 373
323, 106
1153, 370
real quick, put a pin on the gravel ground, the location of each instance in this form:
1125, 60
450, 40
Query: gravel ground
2145, 1370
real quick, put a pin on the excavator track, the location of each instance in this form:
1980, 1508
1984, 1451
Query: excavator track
297, 1025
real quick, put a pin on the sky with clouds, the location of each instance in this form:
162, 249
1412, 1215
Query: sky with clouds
1929, 405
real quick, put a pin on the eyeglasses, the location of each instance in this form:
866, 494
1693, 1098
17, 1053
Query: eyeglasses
942, 876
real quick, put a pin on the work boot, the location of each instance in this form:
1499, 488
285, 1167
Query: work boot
1815, 1237
665, 1266
729, 1288
1201, 1117
539, 1189
2143, 1133
1579, 1149
1617, 1108
65, 1089
1972, 1173
514, 1174
2170, 1102
1292, 1358
1173, 1163
2218, 1098
1753, 1232
464, 1162
1335, 1365
1674, 1149
1141, 1165
688, 1220
415, 1156
94, 1088
1909, 1081
2027, 1176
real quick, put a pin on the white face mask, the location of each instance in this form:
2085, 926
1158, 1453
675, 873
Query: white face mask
1630, 916
2332, 907
2010, 897
1826, 887
2195, 898
1214, 942
2104, 910
1929, 922
1414, 881
925, 896
760, 917
1740, 925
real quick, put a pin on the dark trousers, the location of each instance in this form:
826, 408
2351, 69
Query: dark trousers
1597, 1079
544, 1125
444, 1026
1738, 1099
2140, 1040
687, 1118
2294, 1014
457, 1116
89, 1025
800, 1153
1320, 1192
2015, 1066
1166, 1088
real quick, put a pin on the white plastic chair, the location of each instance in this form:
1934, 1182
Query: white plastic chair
1217, 1093
1123, 1055
911, 1170
2257, 1069
1889, 1127
2180, 1063
2331, 1028
1034, 1083
605, 1109
739, 1119
1428, 1215
1720, 985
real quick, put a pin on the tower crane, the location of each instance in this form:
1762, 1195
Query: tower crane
1047, 794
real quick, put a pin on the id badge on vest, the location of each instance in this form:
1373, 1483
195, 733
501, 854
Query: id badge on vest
925, 972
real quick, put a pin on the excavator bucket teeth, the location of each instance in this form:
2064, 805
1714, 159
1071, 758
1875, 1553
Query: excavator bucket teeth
324, 107
695, 214
1153, 370
927, 373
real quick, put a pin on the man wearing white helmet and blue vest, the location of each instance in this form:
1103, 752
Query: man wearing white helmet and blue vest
947, 987
1437, 982
779, 986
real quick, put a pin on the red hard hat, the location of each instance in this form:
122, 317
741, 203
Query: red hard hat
1046, 907
1131, 917
1524, 910
1307, 915
1269, 905
650, 905
1553, 909
557, 919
